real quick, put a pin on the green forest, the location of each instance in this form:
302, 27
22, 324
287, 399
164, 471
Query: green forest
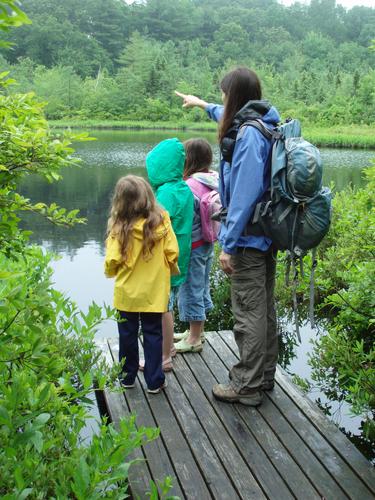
108, 60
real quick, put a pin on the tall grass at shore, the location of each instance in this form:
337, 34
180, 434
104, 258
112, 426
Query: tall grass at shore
133, 125
349, 136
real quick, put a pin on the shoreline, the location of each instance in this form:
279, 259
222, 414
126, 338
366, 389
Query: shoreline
348, 136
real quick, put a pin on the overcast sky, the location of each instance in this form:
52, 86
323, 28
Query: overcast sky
345, 3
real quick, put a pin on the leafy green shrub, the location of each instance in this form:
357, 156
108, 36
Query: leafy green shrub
154, 110
28, 148
343, 358
47, 367
49, 362
103, 98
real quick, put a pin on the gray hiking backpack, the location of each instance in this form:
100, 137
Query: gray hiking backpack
296, 212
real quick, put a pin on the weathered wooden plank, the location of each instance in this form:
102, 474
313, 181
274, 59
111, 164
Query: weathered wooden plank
190, 475
193, 432
349, 467
344, 447
332, 461
264, 452
139, 473
191, 478
298, 449
313, 468
260, 465
155, 452
236, 468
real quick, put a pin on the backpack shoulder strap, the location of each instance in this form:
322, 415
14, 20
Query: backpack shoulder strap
259, 125
197, 187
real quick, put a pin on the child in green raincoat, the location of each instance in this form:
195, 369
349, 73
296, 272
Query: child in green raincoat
165, 165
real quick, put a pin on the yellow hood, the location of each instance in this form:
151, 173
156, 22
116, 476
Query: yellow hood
159, 232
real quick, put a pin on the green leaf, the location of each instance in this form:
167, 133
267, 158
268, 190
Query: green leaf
42, 419
5, 417
19, 478
87, 380
25, 493
81, 478
4, 275
37, 440
44, 395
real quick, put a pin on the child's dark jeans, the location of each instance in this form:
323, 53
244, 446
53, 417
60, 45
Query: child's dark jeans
152, 344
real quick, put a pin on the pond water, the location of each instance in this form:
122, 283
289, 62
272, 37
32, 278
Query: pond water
79, 270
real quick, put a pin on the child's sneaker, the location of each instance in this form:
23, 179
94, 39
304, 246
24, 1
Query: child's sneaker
181, 336
184, 346
127, 386
158, 390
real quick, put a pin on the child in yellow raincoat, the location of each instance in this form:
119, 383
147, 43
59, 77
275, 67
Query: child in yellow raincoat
141, 253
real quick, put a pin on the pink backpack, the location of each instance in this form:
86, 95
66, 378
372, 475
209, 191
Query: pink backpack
209, 205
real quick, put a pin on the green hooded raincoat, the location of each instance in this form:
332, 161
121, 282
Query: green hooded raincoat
165, 165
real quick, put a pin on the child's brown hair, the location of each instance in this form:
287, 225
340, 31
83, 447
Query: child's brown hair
198, 156
133, 199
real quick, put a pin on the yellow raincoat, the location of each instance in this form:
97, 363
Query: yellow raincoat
143, 285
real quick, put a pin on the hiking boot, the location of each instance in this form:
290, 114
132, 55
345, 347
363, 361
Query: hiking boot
268, 385
226, 393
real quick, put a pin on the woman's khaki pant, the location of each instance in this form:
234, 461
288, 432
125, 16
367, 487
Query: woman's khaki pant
253, 305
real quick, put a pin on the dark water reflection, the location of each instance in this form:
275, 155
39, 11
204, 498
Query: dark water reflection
79, 271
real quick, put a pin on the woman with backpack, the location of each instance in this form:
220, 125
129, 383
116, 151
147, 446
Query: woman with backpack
194, 299
247, 258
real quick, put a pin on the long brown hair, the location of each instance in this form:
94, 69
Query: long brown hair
132, 200
198, 156
239, 86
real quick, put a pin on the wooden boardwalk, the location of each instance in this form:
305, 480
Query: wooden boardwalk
284, 449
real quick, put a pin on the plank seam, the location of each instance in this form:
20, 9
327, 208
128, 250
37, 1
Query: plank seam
188, 443
292, 454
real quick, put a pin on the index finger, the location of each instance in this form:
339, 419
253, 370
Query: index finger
180, 94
